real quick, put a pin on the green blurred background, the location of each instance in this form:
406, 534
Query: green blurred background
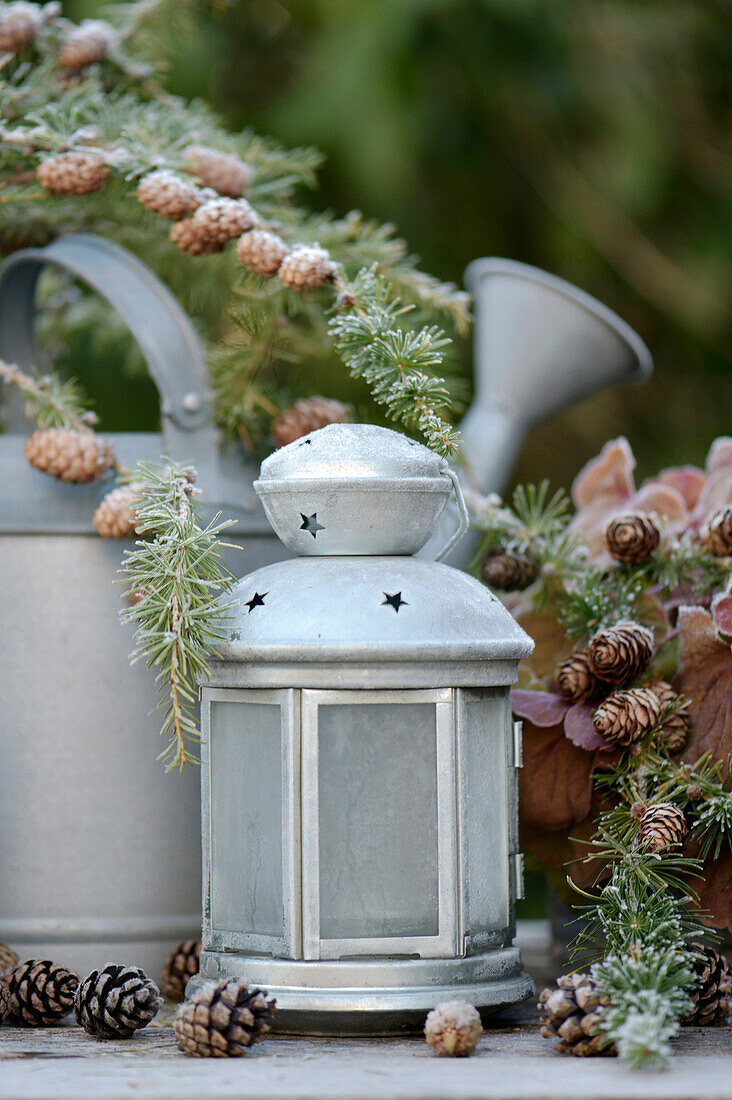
589, 137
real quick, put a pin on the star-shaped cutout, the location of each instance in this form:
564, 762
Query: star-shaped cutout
310, 523
395, 601
257, 600
305, 442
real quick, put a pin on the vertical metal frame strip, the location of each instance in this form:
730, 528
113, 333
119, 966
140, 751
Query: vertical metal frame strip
463, 915
291, 876
447, 829
309, 817
206, 816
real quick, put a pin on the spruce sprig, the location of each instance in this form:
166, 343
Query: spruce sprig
178, 576
49, 401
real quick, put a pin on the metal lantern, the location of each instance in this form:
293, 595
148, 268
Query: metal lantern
359, 778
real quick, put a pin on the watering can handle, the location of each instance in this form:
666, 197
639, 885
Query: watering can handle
161, 328
464, 519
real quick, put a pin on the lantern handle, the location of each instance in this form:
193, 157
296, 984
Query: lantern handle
462, 513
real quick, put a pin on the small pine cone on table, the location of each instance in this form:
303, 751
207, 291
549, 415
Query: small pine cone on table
508, 570
77, 172
41, 992
305, 416
8, 958
631, 538
710, 998
167, 195
261, 252
575, 679
20, 22
225, 173
619, 654
5, 1004
569, 1013
115, 517
69, 455
675, 725
222, 1019
180, 966
453, 1029
85, 45
115, 1002
625, 716
661, 826
306, 267
717, 533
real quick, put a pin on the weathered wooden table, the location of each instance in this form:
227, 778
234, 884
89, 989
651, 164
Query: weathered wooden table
512, 1061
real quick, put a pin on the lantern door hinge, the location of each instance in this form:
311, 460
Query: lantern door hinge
518, 744
518, 876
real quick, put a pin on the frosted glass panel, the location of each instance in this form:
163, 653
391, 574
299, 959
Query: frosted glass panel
378, 820
485, 812
246, 818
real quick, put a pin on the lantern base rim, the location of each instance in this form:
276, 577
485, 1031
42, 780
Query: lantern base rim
395, 997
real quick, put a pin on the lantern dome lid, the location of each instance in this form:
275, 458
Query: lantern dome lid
342, 609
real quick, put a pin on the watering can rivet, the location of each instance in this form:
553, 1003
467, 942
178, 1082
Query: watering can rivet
191, 402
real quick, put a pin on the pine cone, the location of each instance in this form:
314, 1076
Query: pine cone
190, 239
77, 172
717, 532
69, 455
85, 45
714, 983
8, 958
508, 570
620, 653
115, 517
167, 195
675, 726
305, 416
569, 1013
261, 252
225, 173
306, 267
631, 538
214, 223
453, 1029
222, 1019
20, 22
41, 992
662, 826
575, 679
115, 1002
627, 715
180, 966
5, 1004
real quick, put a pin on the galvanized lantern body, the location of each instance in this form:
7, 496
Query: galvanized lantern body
359, 780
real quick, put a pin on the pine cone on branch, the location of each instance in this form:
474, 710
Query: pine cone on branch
115, 1002
222, 1019
453, 1029
20, 22
306, 267
115, 517
77, 172
85, 45
189, 239
69, 455
41, 992
180, 966
625, 716
661, 826
8, 958
167, 195
305, 416
261, 252
225, 173
631, 538
575, 679
213, 224
675, 725
710, 998
717, 533
569, 1013
619, 654
508, 570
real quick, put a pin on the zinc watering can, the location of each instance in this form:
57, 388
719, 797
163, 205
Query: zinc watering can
100, 850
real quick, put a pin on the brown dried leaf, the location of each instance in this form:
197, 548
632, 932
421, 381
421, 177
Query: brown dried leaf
555, 783
551, 644
705, 676
715, 892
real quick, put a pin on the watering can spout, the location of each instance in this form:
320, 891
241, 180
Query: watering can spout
541, 345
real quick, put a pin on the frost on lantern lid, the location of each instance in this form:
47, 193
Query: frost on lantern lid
354, 489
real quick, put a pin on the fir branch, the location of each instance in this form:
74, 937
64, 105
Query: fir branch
598, 598
177, 572
49, 401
